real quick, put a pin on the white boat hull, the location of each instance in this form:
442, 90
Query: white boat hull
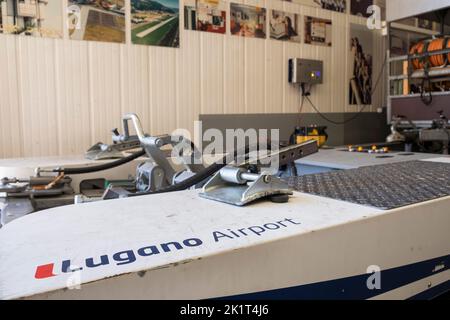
326, 250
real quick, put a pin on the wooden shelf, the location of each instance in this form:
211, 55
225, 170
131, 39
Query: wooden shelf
417, 95
404, 27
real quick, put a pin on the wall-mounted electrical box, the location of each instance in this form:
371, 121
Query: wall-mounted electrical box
305, 71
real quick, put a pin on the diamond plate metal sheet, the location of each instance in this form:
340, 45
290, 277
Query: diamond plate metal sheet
384, 187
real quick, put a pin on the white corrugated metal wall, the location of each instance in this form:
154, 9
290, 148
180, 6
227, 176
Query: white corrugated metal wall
58, 97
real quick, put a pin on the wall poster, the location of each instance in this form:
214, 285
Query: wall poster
32, 18
284, 26
155, 22
362, 57
318, 31
360, 8
333, 5
206, 15
96, 20
248, 21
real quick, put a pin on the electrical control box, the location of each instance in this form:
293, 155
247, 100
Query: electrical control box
303, 71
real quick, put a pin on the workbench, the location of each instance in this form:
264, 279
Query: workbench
340, 159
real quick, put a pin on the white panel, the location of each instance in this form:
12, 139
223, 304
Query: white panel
255, 75
235, 75
163, 90
135, 82
10, 109
189, 80
211, 77
276, 75
73, 104
105, 89
38, 96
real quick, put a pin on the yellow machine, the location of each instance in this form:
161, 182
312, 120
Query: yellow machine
313, 132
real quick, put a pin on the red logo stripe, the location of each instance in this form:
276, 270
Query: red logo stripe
44, 271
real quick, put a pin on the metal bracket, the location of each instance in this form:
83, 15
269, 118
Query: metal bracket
223, 189
158, 172
241, 185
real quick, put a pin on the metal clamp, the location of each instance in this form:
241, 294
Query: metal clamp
241, 185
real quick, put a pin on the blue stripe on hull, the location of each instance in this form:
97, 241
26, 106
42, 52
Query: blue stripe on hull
355, 288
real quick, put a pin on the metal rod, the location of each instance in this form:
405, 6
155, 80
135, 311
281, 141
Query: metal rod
428, 53
249, 176
137, 125
431, 72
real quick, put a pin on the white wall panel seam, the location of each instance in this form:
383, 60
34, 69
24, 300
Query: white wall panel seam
57, 98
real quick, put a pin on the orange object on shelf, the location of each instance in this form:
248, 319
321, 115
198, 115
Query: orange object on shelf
418, 48
448, 47
430, 46
436, 45
405, 81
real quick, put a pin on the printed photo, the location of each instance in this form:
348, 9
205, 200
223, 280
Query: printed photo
333, 5
96, 20
248, 21
190, 17
155, 23
1, 16
211, 16
359, 8
362, 56
32, 18
318, 31
284, 26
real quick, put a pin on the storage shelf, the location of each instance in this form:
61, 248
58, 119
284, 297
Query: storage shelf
433, 72
417, 95
404, 27
420, 55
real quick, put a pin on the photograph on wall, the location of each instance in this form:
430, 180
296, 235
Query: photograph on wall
1, 16
284, 26
211, 16
32, 18
248, 21
359, 8
96, 20
333, 5
362, 56
155, 23
318, 31
190, 17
